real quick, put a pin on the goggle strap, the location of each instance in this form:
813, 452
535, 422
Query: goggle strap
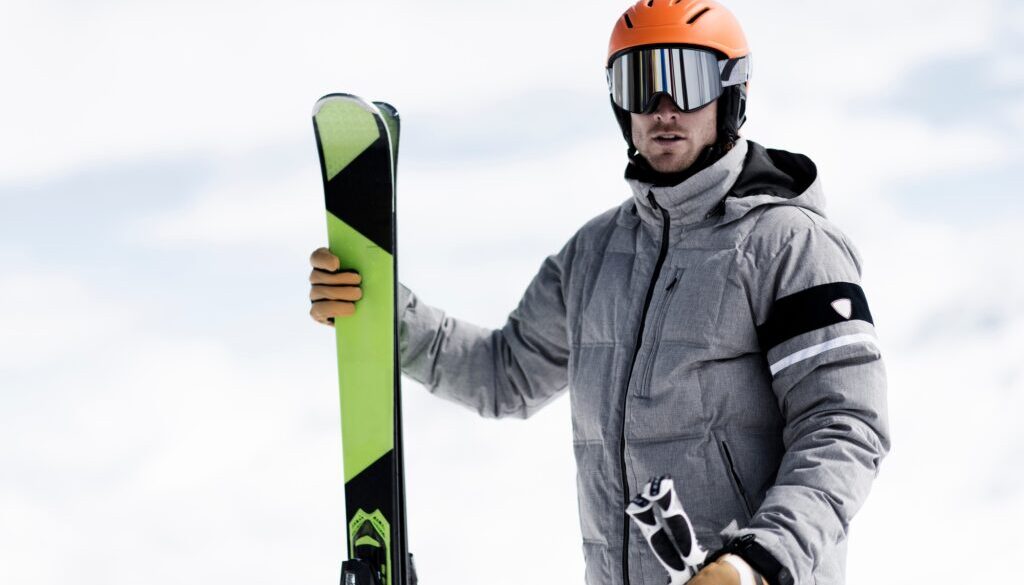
735, 71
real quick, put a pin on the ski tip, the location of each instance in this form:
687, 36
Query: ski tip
344, 97
386, 107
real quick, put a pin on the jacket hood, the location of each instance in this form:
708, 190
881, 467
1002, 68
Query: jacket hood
775, 177
746, 177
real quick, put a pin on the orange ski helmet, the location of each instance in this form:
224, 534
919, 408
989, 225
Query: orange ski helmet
700, 23
705, 44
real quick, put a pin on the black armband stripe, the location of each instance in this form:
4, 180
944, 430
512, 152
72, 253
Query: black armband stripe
813, 308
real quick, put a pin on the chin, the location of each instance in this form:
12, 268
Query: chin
672, 166
668, 160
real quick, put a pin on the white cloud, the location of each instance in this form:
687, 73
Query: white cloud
47, 317
836, 52
105, 81
242, 206
1016, 111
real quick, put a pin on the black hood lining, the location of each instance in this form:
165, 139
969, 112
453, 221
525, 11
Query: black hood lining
775, 172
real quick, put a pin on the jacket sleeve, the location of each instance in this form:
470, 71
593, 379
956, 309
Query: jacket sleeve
511, 371
815, 327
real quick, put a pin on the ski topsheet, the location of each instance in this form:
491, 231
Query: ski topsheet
357, 143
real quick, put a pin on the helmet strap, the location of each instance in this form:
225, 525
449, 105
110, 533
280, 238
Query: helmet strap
732, 113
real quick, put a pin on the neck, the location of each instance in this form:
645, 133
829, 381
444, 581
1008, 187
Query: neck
694, 199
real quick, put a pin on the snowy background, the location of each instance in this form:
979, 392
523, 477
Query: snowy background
168, 410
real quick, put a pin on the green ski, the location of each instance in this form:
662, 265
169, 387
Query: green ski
358, 146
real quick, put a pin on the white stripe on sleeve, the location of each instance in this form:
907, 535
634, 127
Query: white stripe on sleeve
821, 348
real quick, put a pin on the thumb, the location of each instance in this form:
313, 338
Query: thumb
323, 259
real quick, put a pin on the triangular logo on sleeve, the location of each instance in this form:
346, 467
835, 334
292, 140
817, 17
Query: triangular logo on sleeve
844, 307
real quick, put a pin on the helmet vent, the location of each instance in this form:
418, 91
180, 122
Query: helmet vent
629, 23
698, 15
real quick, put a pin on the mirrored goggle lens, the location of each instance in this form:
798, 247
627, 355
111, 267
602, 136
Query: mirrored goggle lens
693, 78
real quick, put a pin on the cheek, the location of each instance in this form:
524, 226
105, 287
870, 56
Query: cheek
635, 129
711, 123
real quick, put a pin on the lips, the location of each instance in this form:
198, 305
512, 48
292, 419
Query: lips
668, 138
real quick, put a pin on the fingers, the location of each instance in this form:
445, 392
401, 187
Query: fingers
320, 292
325, 311
318, 276
323, 259
333, 291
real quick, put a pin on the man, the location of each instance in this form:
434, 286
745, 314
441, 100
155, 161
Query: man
710, 328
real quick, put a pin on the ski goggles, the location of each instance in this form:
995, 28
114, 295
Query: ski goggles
692, 77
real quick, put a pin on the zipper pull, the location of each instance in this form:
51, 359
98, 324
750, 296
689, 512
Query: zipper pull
654, 202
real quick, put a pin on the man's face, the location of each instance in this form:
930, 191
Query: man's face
670, 139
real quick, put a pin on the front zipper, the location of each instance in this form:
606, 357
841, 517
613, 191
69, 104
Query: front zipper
643, 389
663, 251
736, 480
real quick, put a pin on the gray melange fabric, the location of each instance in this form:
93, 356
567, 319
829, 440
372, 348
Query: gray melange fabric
804, 443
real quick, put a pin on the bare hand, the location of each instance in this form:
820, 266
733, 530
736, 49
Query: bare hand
333, 291
721, 573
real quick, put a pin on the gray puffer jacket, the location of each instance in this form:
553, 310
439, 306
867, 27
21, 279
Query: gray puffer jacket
713, 331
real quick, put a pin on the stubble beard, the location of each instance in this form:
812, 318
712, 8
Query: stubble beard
664, 160
674, 164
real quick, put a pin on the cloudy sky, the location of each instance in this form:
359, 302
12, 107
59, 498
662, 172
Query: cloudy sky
168, 411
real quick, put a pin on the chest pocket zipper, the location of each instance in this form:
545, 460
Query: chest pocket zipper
643, 389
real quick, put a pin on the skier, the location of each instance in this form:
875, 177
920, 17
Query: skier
710, 328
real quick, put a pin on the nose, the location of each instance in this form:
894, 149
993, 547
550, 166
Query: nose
666, 107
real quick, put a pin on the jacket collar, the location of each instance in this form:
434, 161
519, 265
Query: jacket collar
695, 198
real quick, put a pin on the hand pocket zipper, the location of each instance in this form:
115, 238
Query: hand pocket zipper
736, 480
